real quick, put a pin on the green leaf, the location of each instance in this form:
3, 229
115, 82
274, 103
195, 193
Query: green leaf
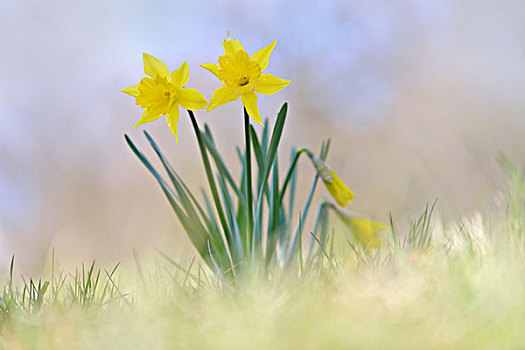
209, 173
221, 166
275, 211
260, 155
274, 144
188, 205
235, 240
198, 238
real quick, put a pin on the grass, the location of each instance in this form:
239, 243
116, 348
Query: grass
431, 286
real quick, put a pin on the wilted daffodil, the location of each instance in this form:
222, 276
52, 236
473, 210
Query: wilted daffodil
162, 93
242, 77
337, 188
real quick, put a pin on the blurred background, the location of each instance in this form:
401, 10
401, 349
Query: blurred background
419, 98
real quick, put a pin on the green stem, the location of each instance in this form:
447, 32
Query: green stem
297, 232
249, 202
291, 247
290, 173
209, 174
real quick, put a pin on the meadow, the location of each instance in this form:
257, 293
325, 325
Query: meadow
432, 285
271, 261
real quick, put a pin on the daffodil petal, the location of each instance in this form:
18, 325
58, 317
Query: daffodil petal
269, 84
132, 90
249, 101
153, 66
262, 57
146, 118
191, 99
221, 96
180, 76
172, 118
231, 46
212, 68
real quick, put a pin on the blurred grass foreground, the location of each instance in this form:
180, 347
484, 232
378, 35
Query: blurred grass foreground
431, 286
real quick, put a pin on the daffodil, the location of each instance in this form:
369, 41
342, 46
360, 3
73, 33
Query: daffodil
162, 93
337, 188
367, 231
242, 77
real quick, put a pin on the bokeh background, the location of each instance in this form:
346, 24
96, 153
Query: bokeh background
419, 98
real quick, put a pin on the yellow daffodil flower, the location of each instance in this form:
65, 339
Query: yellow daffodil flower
367, 231
162, 93
337, 188
242, 77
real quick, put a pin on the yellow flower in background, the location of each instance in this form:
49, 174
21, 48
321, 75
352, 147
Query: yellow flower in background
337, 188
242, 77
367, 231
162, 93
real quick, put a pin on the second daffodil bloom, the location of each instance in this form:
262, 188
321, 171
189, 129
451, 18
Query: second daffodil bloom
242, 77
163, 92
